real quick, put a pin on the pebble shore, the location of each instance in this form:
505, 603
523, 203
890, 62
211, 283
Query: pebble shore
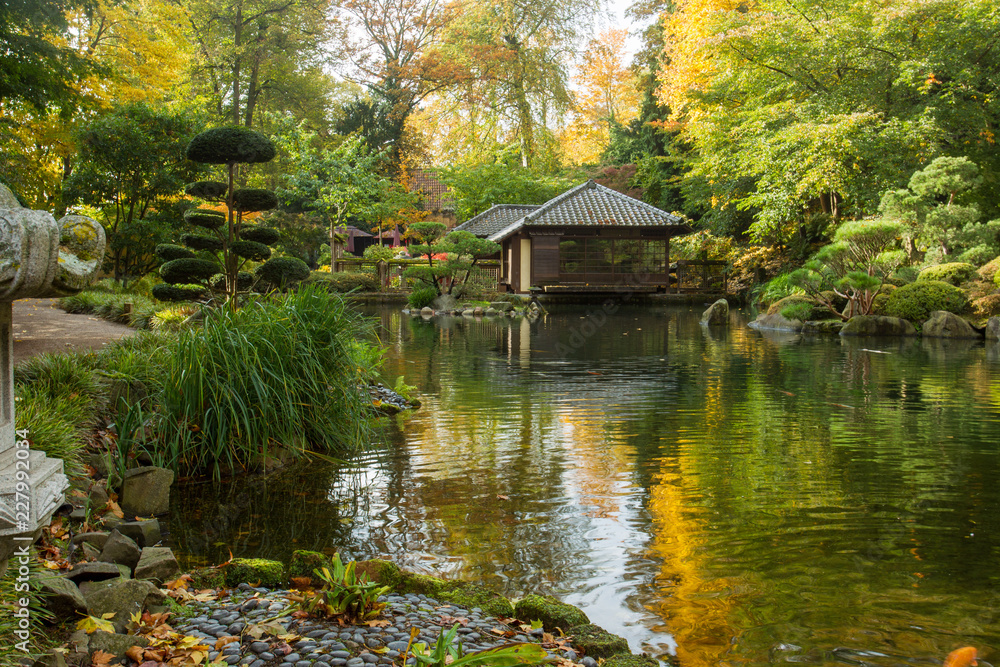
326, 644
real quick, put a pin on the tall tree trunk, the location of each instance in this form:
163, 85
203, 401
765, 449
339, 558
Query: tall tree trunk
237, 44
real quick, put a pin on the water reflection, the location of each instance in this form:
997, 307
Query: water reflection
725, 496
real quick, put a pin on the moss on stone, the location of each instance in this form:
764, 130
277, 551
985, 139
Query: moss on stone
207, 577
384, 572
550, 611
420, 584
597, 642
629, 660
469, 595
305, 563
255, 571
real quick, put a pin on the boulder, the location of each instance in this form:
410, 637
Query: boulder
124, 600
878, 325
90, 552
427, 311
97, 571
822, 326
87, 588
143, 533
158, 564
114, 644
305, 563
550, 611
491, 312
717, 314
943, 324
776, 322
7, 198
120, 549
478, 311
96, 538
60, 596
146, 491
98, 495
597, 642
255, 571
993, 328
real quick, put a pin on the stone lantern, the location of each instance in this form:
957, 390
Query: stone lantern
39, 257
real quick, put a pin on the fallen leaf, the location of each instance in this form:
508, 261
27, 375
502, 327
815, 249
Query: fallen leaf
135, 653
115, 509
379, 624
302, 582
500, 496
101, 658
225, 641
180, 582
91, 624
962, 657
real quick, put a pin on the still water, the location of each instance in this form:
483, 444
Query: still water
724, 497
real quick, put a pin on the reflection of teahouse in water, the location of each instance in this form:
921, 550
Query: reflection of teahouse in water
588, 239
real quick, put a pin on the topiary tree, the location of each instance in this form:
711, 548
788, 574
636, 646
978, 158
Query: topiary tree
457, 253
916, 301
213, 260
854, 267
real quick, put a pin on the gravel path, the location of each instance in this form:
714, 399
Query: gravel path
41, 326
326, 644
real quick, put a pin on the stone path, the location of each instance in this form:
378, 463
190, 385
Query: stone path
41, 326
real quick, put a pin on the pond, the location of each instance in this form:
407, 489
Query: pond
724, 496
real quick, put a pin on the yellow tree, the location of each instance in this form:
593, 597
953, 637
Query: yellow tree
608, 95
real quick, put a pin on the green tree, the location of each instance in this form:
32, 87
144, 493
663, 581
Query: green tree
461, 250
934, 213
853, 267
132, 162
477, 188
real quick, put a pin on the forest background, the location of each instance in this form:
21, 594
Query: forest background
766, 123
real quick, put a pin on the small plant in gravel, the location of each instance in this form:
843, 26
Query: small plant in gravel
447, 652
344, 594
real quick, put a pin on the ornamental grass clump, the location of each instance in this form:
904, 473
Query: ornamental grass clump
280, 375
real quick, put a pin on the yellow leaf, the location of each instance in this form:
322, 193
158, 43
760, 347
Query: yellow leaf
108, 616
90, 624
196, 657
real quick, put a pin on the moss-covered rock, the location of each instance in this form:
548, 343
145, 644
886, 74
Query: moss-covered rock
629, 660
953, 273
469, 595
255, 571
305, 563
815, 312
384, 572
207, 577
916, 301
550, 611
597, 642
878, 325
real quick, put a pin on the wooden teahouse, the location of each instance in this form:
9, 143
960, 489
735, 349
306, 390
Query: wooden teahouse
588, 239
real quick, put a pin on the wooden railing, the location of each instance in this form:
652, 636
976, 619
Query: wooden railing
488, 269
700, 275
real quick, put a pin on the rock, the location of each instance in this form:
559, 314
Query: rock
7, 198
79, 642
92, 572
120, 549
96, 538
776, 322
127, 598
427, 311
304, 563
87, 588
629, 660
143, 533
256, 571
147, 491
993, 328
878, 325
943, 324
114, 644
550, 611
101, 463
478, 311
54, 657
60, 596
98, 495
597, 642
822, 326
156, 563
468, 312
90, 552
207, 577
717, 314
491, 312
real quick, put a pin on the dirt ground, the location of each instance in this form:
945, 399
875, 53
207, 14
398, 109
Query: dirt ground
41, 326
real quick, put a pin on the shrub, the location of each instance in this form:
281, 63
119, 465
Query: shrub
255, 252
171, 319
344, 282
264, 235
904, 275
170, 251
954, 273
188, 270
777, 288
165, 292
198, 242
112, 306
989, 270
916, 301
282, 271
378, 252
226, 145
978, 255
213, 190
276, 371
421, 297
248, 200
202, 217
805, 308
987, 306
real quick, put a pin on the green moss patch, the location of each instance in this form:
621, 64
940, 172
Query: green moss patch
469, 596
550, 611
596, 642
305, 563
207, 577
256, 572
384, 572
629, 660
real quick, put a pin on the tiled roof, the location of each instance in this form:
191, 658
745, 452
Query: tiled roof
590, 204
496, 218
